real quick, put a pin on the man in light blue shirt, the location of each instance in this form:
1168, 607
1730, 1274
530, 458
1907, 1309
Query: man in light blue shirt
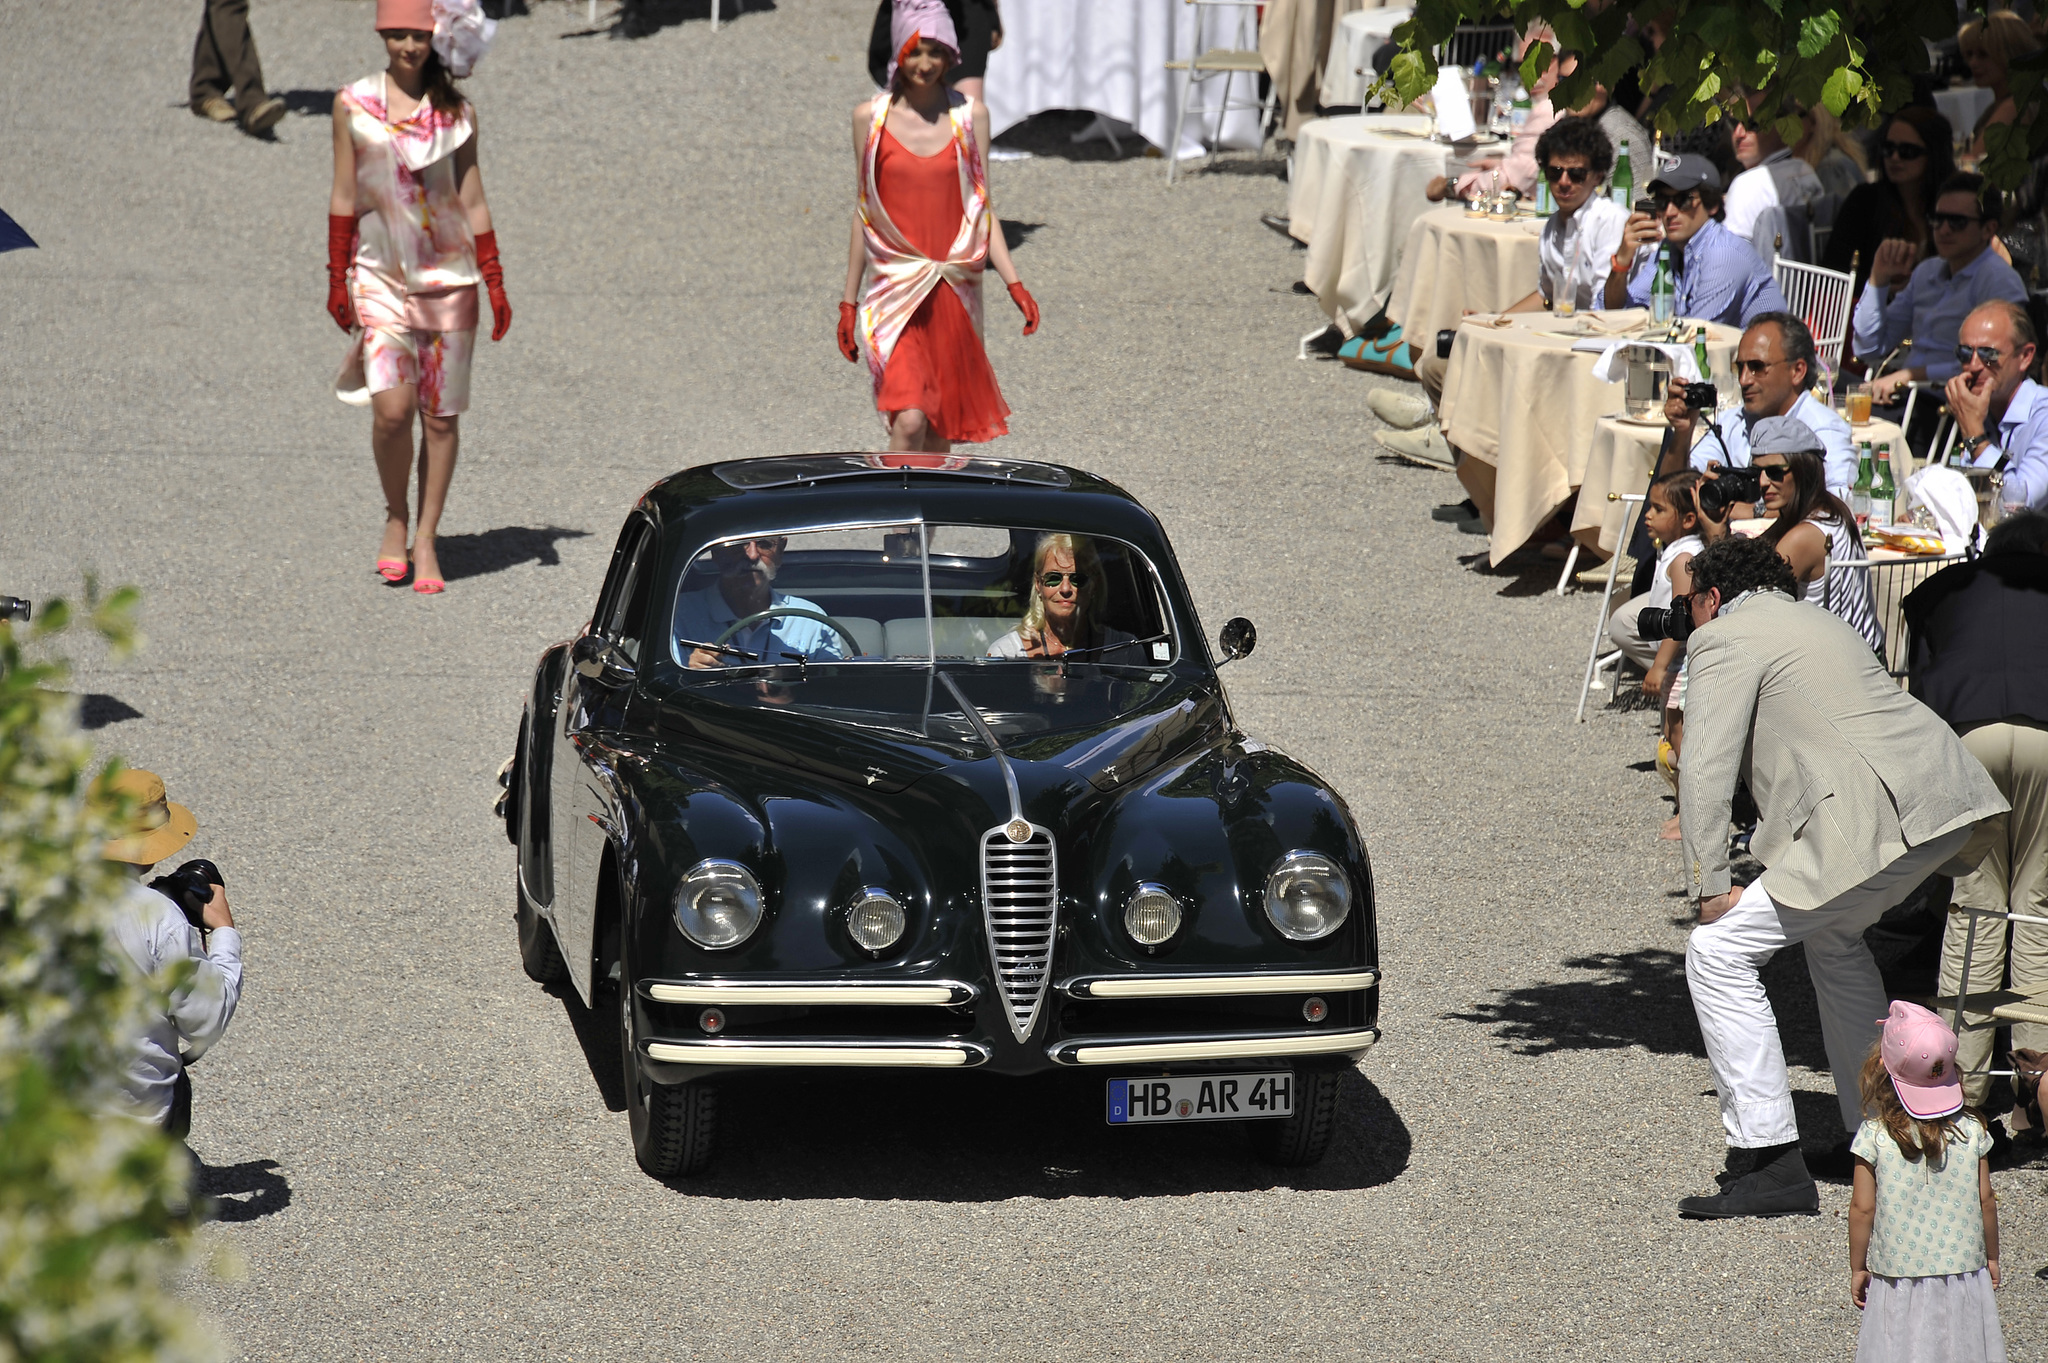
1715, 276
1774, 365
2001, 414
746, 570
1938, 293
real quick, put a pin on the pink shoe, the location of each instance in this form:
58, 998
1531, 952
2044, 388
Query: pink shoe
393, 570
430, 586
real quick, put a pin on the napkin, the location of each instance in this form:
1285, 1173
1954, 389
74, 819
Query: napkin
1948, 495
1611, 368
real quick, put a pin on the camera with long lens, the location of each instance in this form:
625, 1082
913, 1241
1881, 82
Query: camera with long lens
1725, 489
14, 608
1698, 396
1673, 622
190, 887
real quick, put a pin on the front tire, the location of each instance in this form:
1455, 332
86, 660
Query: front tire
674, 1125
1304, 1138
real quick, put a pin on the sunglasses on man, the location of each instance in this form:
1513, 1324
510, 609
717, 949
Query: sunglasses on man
1904, 151
1578, 175
1954, 222
1660, 202
1987, 355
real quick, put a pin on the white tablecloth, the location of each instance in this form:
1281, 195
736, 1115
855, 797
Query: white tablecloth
1962, 107
1348, 71
1355, 191
1109, 57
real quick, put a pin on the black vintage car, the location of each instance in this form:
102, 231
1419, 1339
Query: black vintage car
818, 786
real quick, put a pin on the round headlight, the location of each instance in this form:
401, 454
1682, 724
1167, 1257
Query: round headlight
719, 904
1307, 896
875, 920
1152, 916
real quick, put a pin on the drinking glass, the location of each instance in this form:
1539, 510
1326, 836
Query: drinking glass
1857, 404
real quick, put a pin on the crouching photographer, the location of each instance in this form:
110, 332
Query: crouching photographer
181, 917
1862, 793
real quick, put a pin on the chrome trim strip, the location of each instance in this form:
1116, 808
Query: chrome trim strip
939, 1054
988, 736
1214, 986
1134, 1051
856, 994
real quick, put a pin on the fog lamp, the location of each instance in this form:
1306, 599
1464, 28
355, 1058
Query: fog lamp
876, 920
1152, 915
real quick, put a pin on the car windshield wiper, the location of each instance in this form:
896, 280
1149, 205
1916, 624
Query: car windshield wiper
722, 648
1105, 648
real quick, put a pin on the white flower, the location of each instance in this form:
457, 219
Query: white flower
461, 35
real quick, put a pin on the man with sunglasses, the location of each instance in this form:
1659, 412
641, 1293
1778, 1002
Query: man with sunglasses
2001, 413
1718, 278
1774, 364
746, 574
1929, 309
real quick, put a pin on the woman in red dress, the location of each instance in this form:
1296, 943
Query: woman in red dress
921, 237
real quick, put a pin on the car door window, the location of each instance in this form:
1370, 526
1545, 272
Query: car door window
623, 606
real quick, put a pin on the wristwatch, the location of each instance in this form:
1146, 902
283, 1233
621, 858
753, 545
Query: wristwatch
1976, 443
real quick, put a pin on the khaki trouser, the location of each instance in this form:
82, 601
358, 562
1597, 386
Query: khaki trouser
224, 56
1429, 370
2013, 878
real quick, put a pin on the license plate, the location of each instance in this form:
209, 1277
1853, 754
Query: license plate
1202, 1098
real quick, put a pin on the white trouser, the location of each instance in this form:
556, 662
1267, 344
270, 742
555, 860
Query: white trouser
1722, 959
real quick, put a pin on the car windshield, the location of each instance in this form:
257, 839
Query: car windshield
905, 593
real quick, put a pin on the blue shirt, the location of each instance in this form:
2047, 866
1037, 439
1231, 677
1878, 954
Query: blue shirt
704, 615
1838, 444
1719, 279
1930, 310
2022, 437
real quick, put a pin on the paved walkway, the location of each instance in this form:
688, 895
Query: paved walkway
417, 1158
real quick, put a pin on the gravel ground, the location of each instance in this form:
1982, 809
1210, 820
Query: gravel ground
417, 1150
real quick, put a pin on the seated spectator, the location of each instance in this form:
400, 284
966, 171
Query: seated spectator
2001, 414
1837, 159
1913, 152
1770, 198
1620, 126
1815, 531
1516, 171
1774, 365
1673, 522
1717, 277
1066, 587
1991, 45
1937, 294
1979, 660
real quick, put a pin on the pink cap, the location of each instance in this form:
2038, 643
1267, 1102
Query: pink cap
1920, 1055
417, 15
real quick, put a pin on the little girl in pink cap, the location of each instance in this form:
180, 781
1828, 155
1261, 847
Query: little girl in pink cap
1923, 1221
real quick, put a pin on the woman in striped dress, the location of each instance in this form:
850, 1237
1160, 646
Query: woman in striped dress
1816, 533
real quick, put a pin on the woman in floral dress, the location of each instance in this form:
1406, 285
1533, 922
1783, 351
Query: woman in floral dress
408, 240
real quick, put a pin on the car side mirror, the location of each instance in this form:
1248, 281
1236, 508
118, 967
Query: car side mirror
600, 659
1237, 639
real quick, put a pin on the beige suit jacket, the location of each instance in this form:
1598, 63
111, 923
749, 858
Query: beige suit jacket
1848, 770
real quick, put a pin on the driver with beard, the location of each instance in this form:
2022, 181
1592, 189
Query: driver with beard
745, 587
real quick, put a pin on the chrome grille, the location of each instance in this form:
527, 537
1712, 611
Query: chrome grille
1020, 906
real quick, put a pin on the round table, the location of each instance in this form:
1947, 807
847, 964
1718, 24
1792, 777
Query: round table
1453, 264
1523, 405
1109, 57
1347, 72
1355, 189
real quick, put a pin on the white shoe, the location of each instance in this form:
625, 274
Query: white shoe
1403, 411
1425, 447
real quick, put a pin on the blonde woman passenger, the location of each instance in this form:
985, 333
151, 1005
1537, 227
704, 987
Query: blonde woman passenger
1066, 604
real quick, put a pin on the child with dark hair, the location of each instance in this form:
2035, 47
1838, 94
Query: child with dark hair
1672, 518
1923, 1221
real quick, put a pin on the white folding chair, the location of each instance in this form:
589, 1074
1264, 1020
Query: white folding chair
1944, 424
1242, 59
1818, 297
1472, 42
1890, 580
1595, 664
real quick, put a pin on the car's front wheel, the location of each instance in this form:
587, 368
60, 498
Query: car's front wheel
674, 1125
1303, 1138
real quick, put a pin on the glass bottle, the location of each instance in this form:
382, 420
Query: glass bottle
1663, 296
1699, 353
1859, 494
1621, 185
1883, 494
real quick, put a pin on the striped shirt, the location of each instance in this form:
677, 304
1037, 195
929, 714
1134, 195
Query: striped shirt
1719, 279
1846, 591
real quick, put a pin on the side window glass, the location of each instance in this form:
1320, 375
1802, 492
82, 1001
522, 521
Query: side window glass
628, 626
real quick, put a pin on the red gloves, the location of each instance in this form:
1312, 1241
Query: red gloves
849, 339
1026, 304
341, 250
494, 283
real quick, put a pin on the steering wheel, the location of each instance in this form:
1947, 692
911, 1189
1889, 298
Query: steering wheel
827, 621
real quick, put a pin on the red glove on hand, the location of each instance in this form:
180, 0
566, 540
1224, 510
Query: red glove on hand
849, 339
494, 283
341, 250
1026, 304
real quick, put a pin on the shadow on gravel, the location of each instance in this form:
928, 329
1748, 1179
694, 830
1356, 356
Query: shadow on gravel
96, 710
1052, 134
644, 18
598, 1034
1016, 233
312, 103
242, 1192
493, 551
886, 1135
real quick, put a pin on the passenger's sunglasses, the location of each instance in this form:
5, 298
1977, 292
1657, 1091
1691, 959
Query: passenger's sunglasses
1756, 368
1954, 222
1777, 473
1904, 151
1049, 580
1987, 355
1679, 201
1578, 175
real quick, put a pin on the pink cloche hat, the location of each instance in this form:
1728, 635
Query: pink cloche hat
417, 15
1920, 1055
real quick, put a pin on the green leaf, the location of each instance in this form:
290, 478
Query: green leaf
1709, 86
1836, 94
1816, 31
1413, 73
1535, 64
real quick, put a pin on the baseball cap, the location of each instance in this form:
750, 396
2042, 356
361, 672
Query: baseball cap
1689, 171
1782, 435
1920, 1055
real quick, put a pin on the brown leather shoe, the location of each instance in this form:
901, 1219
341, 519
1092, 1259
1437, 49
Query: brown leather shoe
264, 116
216, 109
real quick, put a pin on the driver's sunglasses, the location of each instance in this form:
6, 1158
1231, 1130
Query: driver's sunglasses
1679, 201
1987, 355
1578, 175
1904, 151
1080, 580
1777, 473
1755, 368
1954, 222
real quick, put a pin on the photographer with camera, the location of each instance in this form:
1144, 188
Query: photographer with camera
1862, 792
176, 918
1774, 365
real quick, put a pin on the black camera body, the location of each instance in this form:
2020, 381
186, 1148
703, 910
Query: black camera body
1673, 622
1726, 488
190, 887
1698, 396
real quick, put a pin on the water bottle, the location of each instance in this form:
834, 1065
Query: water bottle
1663, 296
1882, 492
1859, 493
1621, 185
1699, 353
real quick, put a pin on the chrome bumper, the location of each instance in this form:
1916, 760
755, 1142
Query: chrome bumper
1159, 1051
826, 993
1218, 986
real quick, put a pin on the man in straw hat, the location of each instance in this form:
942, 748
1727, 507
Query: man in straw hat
154, 934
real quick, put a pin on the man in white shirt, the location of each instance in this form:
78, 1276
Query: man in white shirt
154, 935
1772, 196
2001, 414
1774, 367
